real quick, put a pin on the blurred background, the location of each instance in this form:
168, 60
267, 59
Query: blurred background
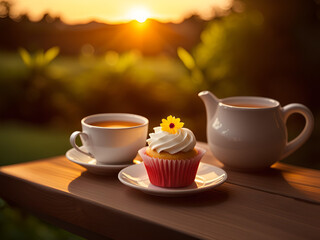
63, 60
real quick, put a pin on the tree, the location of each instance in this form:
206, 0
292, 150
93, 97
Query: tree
5, 9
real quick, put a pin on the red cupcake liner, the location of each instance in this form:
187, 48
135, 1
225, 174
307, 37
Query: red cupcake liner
171, 173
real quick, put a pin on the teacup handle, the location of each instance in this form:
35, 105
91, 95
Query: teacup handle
73, 137
294, 144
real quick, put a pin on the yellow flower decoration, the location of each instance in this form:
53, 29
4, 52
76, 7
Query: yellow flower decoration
171, 124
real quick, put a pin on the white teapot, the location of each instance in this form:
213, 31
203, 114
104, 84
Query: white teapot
249, 133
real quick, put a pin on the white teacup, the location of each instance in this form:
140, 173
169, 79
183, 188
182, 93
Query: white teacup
116, 141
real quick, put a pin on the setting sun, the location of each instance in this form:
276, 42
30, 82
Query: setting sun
119, 11
140, 14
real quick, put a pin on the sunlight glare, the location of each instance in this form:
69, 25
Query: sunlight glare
140, 14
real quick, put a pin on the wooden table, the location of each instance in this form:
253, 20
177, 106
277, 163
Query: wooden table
282, 203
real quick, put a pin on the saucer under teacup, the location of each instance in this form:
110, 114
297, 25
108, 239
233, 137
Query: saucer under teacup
91, 164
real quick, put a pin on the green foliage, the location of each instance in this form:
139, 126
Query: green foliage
17, 225
196, 75
50, 54
64, 91
25, 57
40, 59
215, 63
186, 58
36, 95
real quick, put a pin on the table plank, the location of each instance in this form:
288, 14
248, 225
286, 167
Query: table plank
61, 189
283, 179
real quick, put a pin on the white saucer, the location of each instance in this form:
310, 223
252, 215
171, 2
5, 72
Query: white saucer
91, 164
207, 177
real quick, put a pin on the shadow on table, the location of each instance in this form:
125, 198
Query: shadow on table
91, 185
281, 179
278, 179
98, 187
210, 197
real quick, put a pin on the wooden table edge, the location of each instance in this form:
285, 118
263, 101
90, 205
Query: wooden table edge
138, 226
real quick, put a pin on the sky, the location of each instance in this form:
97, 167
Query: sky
117, 11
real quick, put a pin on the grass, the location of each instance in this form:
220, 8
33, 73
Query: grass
22, 143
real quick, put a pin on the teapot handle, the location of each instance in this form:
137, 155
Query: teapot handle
297, 142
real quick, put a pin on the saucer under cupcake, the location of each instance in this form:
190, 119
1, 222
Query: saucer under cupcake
207, 177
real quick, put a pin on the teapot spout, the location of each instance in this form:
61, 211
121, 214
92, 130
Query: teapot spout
211, 103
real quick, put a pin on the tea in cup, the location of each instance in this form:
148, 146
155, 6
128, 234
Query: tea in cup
112, 138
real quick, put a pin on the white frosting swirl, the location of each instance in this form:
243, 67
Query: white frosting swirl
183, 141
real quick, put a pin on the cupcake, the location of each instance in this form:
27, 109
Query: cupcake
171, 158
